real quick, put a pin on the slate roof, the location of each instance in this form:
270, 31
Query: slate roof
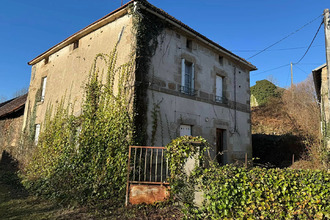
12, 106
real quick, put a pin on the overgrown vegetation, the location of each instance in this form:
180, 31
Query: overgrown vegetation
240, 193
147, 28
300, 104
183, 179
84, 158
295, 114
245, 193
264, 90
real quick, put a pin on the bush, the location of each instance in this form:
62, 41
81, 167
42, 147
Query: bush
245, 193
233, 192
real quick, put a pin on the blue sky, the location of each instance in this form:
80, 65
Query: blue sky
28, 28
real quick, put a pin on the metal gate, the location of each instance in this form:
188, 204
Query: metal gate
147, 174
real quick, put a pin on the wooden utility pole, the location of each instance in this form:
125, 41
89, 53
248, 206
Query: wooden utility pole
326, 21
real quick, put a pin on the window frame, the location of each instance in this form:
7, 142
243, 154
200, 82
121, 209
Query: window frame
190, 89
43, 88
220, 98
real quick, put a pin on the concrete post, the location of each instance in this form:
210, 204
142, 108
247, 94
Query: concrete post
327, 43
327, 52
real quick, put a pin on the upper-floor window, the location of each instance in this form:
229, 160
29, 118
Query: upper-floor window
221, 60
187, 77
46, 60
219, 97
43, 88
76, 44
189, 44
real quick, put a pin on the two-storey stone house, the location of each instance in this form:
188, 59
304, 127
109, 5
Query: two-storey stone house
193, 85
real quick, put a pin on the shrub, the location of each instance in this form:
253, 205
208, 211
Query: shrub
233, 192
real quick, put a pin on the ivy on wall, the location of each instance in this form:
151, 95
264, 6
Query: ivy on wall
146, 27
84, 158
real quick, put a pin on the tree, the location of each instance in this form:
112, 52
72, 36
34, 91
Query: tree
21, 91
264, 90
300, 102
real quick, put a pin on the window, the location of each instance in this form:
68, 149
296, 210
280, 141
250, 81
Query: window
221, 60
37, 132
185, 130
189, 44
219, 90
76, 44
187, 78
43, 88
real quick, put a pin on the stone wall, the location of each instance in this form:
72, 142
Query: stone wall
10, 133
201, 111
67, 70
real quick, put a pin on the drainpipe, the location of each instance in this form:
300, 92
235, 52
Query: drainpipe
235, 103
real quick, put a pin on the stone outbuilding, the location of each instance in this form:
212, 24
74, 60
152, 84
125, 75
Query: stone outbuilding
11, 121
194, 86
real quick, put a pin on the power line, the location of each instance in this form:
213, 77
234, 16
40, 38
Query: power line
279, 67
289, 48
310, 43
301, 69
285, 37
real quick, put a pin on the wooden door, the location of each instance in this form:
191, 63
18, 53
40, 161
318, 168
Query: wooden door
220, 145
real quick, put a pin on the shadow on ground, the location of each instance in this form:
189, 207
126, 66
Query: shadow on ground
15, 201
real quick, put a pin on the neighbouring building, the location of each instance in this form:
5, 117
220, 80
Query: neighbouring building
11, 121
195, 86
321, 82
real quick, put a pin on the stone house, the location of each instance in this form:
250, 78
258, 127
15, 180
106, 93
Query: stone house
321, 82
193, 85
11, 121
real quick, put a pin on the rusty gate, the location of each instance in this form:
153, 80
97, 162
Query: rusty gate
147, 174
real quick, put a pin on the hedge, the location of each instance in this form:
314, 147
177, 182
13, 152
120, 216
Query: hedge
240, 193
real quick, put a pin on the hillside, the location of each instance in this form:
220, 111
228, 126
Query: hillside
274, 135
271, 119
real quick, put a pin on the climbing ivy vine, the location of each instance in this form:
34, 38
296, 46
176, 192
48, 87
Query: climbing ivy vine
84, 158
147, 28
